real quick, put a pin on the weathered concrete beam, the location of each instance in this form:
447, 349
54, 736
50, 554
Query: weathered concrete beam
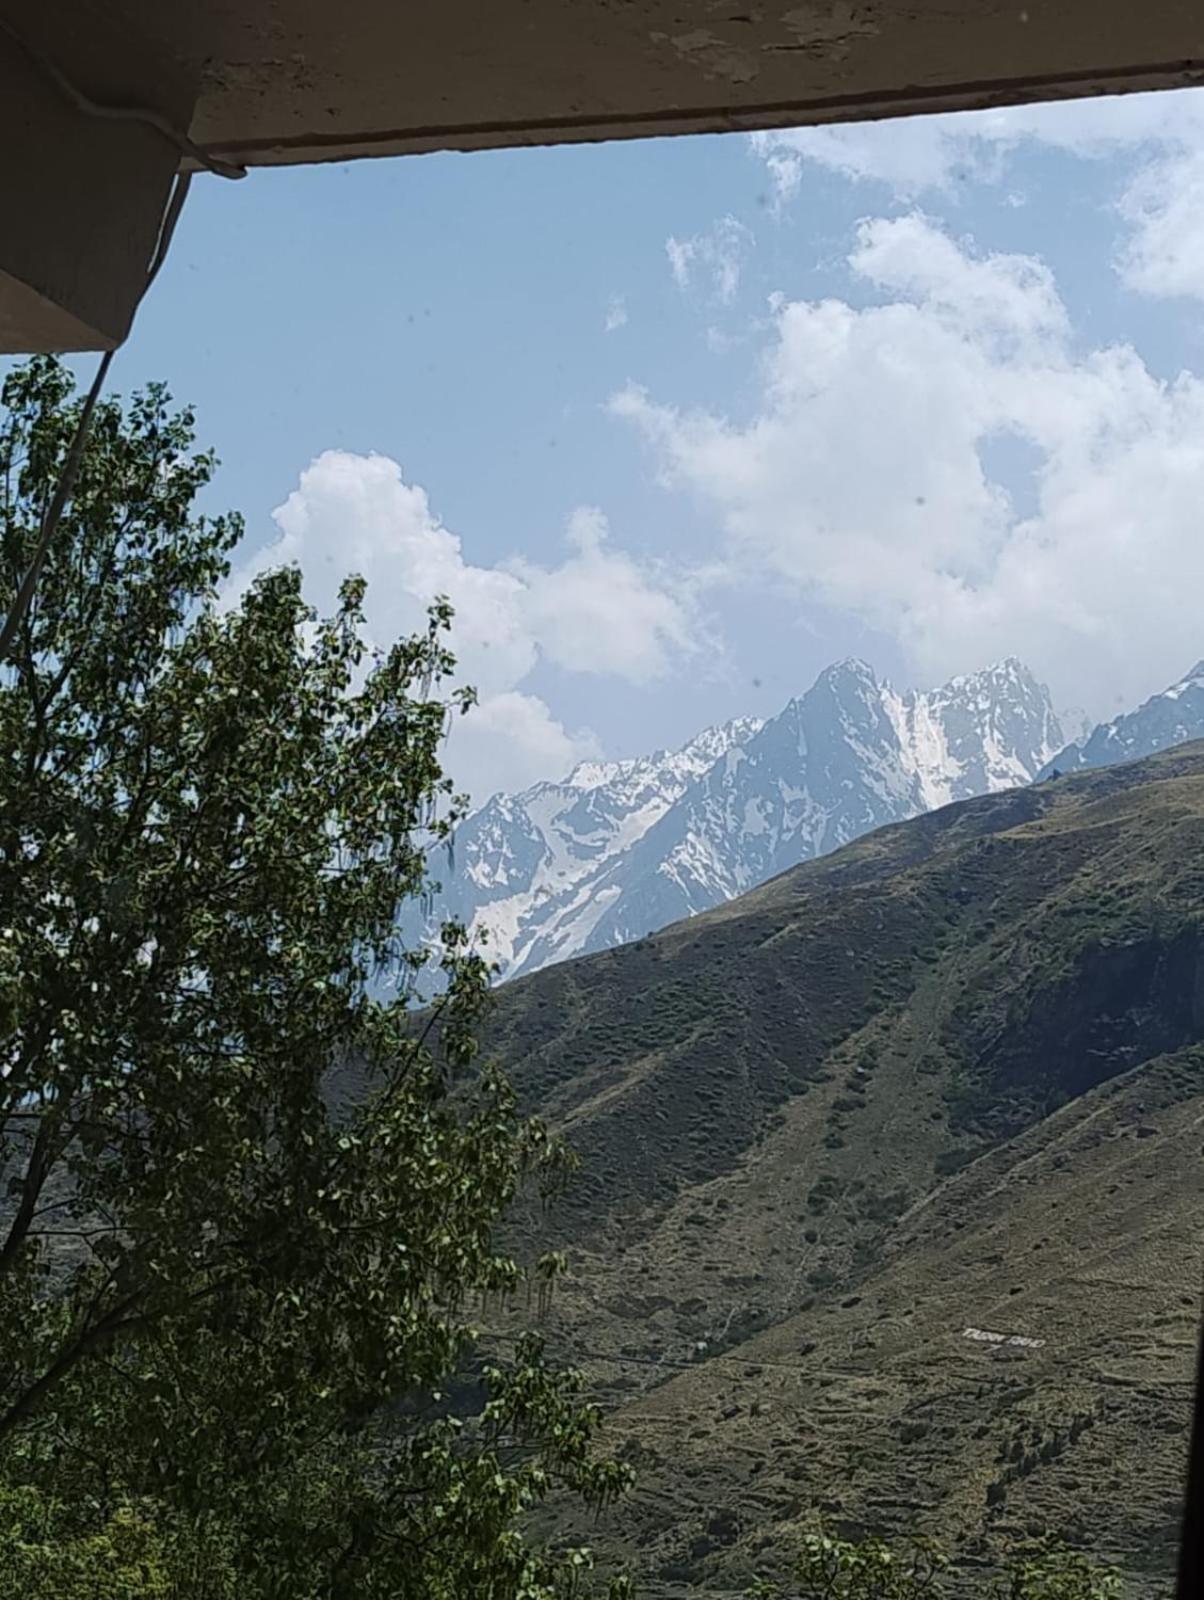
302, 80
270, 82
80, 205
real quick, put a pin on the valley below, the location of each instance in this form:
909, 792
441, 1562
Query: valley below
890, 1199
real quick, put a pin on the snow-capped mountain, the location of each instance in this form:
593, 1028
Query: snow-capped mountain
620, 849
1172, 717
849, 756
535, 870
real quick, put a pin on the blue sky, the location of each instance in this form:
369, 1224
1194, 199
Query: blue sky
706, 414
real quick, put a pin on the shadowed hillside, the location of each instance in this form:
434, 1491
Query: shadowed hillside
891, 1197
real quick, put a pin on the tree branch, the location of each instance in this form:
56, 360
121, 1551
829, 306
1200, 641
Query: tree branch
94, 1337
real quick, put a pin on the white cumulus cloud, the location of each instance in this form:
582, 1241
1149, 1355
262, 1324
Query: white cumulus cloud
511, 740
1160, 201
1164, 204
863, 478
599, 610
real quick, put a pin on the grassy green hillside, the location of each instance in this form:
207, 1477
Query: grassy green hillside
949, 1079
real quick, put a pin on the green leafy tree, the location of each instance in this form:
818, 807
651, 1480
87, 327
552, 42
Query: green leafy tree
831, 1568
1055, 1573
44, 1556
249, 1204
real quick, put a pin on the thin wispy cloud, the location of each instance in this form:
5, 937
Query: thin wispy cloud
616, 314
711, 262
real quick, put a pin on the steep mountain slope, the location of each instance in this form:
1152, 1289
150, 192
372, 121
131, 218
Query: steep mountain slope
618, 850
1170, 718
891, 1197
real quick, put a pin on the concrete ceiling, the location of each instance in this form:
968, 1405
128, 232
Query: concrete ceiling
304, 80
367, 78
280, 81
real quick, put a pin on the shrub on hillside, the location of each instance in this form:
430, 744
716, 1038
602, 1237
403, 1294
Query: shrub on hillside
831, 1568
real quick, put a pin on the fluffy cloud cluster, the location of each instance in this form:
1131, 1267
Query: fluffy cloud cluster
599, 610
1164, 206
1161, 200
863, 478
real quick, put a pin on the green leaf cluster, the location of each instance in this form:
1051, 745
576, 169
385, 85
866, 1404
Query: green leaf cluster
249, 1193
828, 1567
44, 1557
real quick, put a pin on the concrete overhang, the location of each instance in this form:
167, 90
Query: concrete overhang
271, 82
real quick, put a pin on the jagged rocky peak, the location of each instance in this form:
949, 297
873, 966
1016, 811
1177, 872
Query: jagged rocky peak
980, 732
851, 674
663, 766
1173, 716
618, 849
